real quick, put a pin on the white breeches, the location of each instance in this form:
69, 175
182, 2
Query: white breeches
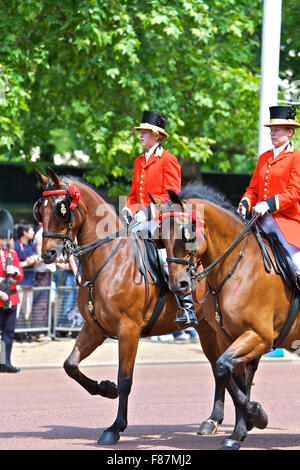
146, 228
269, 225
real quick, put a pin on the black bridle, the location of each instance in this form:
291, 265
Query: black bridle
192, 267
189, 233
63, 209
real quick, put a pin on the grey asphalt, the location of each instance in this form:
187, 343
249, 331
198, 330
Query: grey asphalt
43, 409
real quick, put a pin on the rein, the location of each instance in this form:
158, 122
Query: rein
73, 196
193, 267
209, 268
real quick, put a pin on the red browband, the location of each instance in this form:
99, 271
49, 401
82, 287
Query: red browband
56, 191
73, 192
194, 215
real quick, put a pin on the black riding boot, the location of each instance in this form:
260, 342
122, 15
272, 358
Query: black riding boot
186, 308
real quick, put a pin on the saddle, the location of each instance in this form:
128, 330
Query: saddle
149, 260
282, 265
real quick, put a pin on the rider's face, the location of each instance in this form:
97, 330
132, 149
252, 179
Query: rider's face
148, 139
280, 135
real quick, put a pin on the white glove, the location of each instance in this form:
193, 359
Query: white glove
261, 208
242, 211
140, 217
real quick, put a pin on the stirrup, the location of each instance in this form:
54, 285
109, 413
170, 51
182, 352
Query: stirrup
186, 306
186, 319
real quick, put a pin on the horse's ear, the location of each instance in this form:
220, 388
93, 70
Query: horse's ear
54, 177
174, 197
41, 178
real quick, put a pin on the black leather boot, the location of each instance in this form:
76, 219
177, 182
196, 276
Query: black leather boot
186, 309
9, 368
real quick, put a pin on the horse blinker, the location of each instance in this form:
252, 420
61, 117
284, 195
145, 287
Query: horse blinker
36, 211
61, 209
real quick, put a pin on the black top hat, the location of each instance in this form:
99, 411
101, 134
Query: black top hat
154, 122
282, 116
6, 223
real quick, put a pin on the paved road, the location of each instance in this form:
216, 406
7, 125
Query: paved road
45, 409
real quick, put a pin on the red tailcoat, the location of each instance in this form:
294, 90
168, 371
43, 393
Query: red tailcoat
277, 181
14, 298
160, 173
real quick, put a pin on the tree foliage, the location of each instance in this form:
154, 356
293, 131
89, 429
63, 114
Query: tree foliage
78, 74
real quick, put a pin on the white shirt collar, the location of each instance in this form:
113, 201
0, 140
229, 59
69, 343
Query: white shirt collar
150, 151
277, 150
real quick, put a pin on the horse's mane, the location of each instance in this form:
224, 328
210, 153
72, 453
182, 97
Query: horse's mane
199, 190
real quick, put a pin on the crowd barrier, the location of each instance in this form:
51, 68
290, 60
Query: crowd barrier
48, 309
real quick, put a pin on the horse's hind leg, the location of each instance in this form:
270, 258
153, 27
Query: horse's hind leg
247, 346
128, 344
87, 341
209, 345
242, 426
210, 425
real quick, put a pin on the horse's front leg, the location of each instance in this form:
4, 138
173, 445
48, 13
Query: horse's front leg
128, 344
87, 341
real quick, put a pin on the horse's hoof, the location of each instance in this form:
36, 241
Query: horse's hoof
249, 426
108, 438
108, 389
208, 428
230, 444
259, 417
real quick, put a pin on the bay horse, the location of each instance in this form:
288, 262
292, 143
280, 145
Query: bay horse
118, 305
247, 303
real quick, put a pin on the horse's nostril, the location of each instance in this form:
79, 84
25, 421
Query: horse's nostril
50, 256
183, 288
183, 284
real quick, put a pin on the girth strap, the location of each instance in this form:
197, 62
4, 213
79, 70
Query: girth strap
292, 315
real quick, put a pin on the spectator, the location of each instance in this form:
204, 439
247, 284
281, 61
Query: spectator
43, 278
11, 273
27, 253
70, 315
181, 336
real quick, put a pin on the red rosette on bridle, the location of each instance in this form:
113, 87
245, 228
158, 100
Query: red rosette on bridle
75, 195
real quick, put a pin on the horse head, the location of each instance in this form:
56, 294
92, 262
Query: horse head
62, 210
181, 233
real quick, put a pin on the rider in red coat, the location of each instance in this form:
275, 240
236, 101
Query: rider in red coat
155, 171
274, 189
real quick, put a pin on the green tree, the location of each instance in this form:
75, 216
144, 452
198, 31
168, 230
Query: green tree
78, 74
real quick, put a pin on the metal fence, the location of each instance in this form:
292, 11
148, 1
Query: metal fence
48, 309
